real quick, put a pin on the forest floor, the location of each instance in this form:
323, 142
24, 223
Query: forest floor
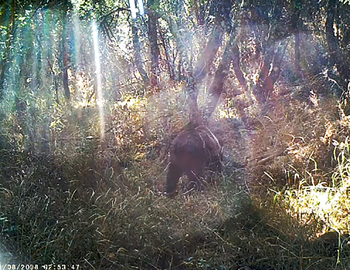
54, 212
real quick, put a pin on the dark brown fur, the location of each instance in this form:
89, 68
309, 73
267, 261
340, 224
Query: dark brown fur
191, 152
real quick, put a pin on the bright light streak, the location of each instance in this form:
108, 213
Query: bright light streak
77, 37
99, 98
133, 9
141, 9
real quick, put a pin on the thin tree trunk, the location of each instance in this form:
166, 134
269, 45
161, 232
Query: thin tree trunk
199, 10
10, 14
336, 57
297, 54
153, 42
269, 73
236, 61
217, 86
166, 53
296, 28
331, 38
209, 53
137, 55
260, 91
203, 64
65, 57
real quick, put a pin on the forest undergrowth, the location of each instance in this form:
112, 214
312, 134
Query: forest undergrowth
75, 198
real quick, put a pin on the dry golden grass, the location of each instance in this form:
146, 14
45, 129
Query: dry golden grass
99, 203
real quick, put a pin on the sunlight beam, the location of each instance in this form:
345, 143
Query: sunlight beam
132, 9
141, 9
99, 98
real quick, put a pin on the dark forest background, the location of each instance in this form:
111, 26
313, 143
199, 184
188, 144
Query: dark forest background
91, 98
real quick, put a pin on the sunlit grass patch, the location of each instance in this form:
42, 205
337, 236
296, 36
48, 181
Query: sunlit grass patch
327, 202
329, 206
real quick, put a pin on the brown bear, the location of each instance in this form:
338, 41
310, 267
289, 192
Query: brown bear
192, 151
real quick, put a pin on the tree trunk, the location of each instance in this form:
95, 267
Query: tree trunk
269, 73
166, 47
201, 70
185, 71
209, 53
331, 38
336, 57
297, 54
260, 91
236, 61
199, 10
217, 86
65, 56
153, 42
296, 28
137, 54
11, 28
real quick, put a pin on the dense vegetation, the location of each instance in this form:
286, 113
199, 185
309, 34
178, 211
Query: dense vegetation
91, 98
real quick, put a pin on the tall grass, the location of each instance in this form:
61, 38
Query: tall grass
327, 202
100, 204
